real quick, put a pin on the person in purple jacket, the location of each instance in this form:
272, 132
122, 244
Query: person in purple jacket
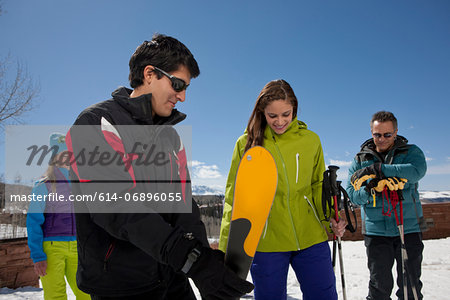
51, 226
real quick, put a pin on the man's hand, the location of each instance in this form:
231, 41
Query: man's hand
40, 268
214, 280
364, 174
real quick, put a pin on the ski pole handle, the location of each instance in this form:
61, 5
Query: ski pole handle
336, 209
333, 177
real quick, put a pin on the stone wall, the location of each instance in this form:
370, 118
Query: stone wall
16, 266
437, 217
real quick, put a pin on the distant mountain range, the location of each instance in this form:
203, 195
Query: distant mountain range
431, 196
206, 190
425, 196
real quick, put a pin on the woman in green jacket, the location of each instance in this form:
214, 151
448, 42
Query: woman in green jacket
294, 232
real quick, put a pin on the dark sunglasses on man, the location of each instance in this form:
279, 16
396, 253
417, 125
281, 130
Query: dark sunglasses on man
178, 84
386, 135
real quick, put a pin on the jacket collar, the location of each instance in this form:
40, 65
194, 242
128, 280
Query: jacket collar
293, 127
140, 108
400, 141
368, 147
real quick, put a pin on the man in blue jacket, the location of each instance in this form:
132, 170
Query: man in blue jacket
388, 155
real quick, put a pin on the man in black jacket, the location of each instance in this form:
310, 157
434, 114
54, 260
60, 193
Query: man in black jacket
139, 232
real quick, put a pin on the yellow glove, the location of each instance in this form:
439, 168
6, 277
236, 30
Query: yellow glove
357, 183
400, 182
362, 175
392, 183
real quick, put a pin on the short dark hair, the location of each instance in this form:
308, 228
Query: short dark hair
164, 52
384, 116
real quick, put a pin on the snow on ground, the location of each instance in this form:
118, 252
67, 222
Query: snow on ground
435, 275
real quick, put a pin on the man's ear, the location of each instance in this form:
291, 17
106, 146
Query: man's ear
396, 132
148, 73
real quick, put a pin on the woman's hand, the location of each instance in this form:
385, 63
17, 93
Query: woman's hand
40, 268
338, 227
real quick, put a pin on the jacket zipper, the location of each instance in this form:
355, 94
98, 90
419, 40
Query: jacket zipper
265, 228
52, 211
108, 254
314, 211
288, 192
72, 219
296, 159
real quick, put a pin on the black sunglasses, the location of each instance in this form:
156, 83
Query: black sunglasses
386, 135
178, 84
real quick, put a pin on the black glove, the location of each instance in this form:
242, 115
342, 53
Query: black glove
361, 175
214, 280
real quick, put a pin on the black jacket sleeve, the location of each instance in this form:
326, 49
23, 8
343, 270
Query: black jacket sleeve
162, 236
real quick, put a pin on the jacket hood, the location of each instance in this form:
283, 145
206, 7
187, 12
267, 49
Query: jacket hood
140, 108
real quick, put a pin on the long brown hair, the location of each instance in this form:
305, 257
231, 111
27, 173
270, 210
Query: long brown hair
49, 174
272, 91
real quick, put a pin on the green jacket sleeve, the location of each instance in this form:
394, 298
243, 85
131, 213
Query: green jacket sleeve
229, 192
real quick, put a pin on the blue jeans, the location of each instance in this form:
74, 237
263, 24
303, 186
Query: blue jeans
312, 267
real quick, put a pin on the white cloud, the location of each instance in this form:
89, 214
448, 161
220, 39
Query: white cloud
196, 163
340, 163
203, 171
343, 165
429, 158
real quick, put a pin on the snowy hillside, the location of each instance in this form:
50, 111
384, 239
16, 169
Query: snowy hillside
431, 196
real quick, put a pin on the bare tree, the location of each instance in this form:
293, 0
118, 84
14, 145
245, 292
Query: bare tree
17, 92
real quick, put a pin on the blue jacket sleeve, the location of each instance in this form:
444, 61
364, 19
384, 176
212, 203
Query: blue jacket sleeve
35, 219
413, 168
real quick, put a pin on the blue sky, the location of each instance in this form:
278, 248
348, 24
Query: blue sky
344, 59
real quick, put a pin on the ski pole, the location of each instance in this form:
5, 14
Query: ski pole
405, 273
348, 207
336, 239
332, 175
341, 259
396, 196
394, 200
